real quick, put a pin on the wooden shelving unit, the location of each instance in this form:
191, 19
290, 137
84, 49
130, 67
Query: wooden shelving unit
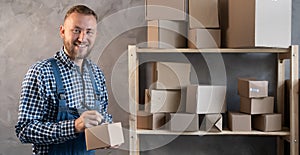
290, 134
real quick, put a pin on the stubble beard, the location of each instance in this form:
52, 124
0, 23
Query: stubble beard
73, 54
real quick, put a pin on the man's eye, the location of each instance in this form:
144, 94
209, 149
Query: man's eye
76, 31
90, 32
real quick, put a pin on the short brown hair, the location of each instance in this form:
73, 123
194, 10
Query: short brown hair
82, 9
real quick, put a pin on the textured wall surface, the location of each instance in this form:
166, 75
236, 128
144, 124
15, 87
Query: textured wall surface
30, 32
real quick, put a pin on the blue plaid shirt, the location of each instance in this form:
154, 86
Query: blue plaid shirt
38, 107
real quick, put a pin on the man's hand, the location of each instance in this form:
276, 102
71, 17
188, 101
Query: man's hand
87, 119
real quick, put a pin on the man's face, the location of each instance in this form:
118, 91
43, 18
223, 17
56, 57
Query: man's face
79, 33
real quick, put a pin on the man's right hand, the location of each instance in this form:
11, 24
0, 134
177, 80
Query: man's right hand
87, 119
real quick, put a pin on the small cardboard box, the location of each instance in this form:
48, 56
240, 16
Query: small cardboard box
203, 14
183, 122
257, 105
163, 101
144, 120
150, 121
252, 88
239, 121
167, 34
204, 38
166, 9
212, 123
171, 75
206, 99
257, 23
103, 136
267, 122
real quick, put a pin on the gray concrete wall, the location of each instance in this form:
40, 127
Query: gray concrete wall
30, 32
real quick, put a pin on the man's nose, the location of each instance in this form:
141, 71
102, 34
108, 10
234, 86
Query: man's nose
82, 36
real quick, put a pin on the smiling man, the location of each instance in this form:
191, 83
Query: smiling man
63, 95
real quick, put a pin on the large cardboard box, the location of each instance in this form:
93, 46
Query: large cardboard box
150, 121
252, 88
257, 105
257, 23
204, 38
203, 14
164, 101
239, 121
103, 136
267, 122
183, 122
206, 99
166, 9
167, 34
212, 123
171, 75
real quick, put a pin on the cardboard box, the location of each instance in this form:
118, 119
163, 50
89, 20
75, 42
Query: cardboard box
204, 38
171, 75
167, 34
144, 120
166, 9
252, 88
257, 23
150, 121
212, 123
239, 121
267, 122
103, 136
257, 105
203, 14
183, 122
206, 99
163, 101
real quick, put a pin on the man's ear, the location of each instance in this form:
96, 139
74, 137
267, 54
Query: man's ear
62, 31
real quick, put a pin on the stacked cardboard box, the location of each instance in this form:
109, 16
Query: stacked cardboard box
208, 101
254, 103
204, 29
167, 23
166, 96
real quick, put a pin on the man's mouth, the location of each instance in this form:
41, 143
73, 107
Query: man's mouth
81, 45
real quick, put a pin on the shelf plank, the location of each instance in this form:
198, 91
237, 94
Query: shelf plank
214, 50
203, 133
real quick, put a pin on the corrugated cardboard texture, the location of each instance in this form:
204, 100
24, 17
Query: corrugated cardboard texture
267, 122
252, 88
257, 105
239, 121
166, 9
203, 14
206, 99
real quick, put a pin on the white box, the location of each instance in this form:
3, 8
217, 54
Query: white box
258, 23
206, 99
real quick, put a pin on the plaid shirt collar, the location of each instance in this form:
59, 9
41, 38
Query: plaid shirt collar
66, 61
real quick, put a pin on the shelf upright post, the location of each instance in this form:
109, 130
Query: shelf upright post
133, 69
294, 101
